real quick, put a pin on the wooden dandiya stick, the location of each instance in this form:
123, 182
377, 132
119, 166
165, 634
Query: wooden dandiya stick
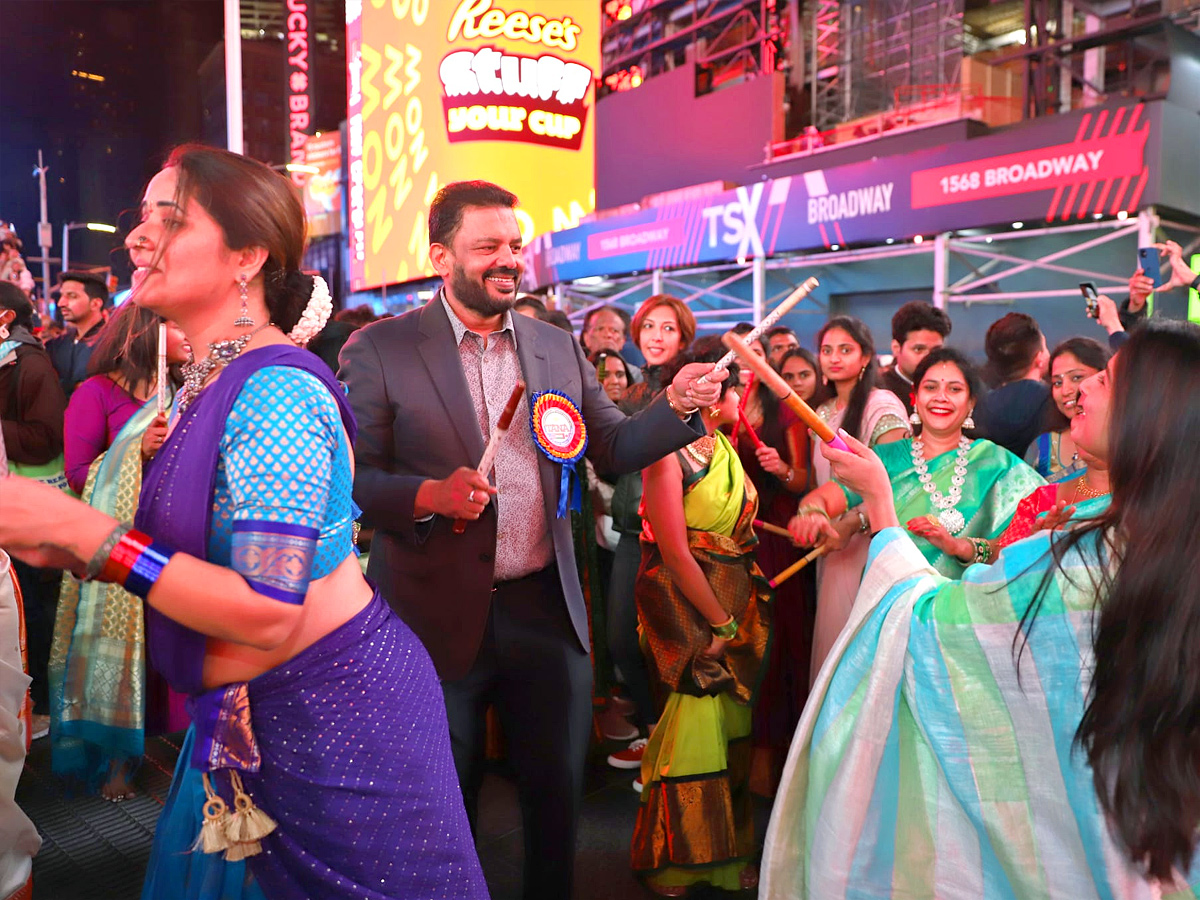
162, 368
772, 529
796, 567
493, 444
783, 391
769, 321
749, 429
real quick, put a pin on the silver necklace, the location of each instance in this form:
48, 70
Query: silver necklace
220, 354
952, 520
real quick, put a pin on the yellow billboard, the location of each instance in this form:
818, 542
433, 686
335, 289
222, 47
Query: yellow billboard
450, 90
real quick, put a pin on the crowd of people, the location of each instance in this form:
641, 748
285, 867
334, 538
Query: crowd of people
982, 687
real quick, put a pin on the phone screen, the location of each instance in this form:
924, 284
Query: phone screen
1088, 289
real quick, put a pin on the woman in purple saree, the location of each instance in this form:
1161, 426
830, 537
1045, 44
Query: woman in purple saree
318, 762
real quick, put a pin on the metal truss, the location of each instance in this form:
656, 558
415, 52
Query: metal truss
988, 259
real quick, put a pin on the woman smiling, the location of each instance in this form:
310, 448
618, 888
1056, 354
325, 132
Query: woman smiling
954, 492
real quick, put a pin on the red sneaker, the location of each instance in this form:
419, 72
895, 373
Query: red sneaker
630, 757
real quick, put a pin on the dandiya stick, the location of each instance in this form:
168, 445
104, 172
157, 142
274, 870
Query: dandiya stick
772, 529
3, 458
768, 322
162, 368
493, 444
796, 567
749, 429
783, 391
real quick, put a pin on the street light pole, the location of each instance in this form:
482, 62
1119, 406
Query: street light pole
234, 140
45, 233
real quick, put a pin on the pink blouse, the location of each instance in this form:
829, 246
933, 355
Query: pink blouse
98, 410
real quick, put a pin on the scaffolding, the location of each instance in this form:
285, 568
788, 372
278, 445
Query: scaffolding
862, 55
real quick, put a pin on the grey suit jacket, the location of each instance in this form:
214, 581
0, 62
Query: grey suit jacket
416, 421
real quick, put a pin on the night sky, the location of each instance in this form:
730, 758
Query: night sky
102, 140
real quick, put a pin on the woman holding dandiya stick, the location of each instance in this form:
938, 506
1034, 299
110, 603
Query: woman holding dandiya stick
773, 446
954, 493
703, 611
1029, 730
315, 709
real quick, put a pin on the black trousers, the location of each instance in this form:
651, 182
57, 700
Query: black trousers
532, 668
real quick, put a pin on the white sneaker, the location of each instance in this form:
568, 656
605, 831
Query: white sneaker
630, 757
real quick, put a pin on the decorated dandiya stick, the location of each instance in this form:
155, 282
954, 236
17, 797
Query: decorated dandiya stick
162, 368
749, 429
796, 567
772, 529
783, 391
768, 322
493, 444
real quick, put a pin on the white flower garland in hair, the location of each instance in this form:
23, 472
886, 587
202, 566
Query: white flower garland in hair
315, 315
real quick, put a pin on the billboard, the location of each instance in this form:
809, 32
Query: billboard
322, 191
448, 90
1058, 169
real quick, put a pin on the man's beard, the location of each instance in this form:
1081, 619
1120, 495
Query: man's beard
474, 294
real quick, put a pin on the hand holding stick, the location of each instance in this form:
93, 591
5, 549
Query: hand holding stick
782, 390
769, 321
796, 567
493, 444
773, 529
749, 429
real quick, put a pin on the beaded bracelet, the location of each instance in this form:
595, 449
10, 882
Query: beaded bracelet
726, 630
135, 563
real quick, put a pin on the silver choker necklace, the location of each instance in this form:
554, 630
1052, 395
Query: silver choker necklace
220, 354
952, 520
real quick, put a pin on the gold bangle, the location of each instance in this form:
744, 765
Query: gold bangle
982, 548
676, 406
726, 630
806, 508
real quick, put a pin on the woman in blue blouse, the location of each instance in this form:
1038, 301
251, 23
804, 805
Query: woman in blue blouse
319, 752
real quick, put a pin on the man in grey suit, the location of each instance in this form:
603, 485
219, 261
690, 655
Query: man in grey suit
499, 607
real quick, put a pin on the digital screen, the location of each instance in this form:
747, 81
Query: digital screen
441, 91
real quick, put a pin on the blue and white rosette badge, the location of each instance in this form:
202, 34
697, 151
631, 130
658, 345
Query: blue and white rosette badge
560, 433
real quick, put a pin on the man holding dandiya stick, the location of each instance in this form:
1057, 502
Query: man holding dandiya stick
499, 606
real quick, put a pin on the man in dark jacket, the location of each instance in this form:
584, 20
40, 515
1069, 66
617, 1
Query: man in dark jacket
82, 301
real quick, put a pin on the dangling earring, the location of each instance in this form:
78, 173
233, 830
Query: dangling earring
914, 418
243, 320
714, 411
968, 423
3, 332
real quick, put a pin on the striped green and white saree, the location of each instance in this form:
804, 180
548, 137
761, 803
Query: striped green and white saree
922, 768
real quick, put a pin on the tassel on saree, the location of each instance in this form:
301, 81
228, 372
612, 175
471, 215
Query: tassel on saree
213, 837
247, 826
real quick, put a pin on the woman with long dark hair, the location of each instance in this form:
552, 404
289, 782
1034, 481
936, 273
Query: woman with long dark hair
318, 762
874, 415
1030, 729
101, 700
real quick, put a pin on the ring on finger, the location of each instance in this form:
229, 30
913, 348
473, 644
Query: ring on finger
471, 496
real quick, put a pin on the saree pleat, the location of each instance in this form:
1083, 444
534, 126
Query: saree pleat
694, 823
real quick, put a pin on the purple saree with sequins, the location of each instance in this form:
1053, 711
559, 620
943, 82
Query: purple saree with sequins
345, 746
